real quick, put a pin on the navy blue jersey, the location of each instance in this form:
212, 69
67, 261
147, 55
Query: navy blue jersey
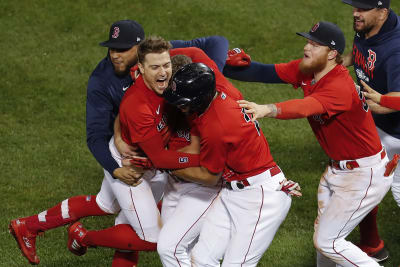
377, 61
105, 91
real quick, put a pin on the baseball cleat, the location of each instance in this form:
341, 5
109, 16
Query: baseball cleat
379, 254
26, 240
76, 234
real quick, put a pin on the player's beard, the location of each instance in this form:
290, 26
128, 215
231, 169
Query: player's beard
123, 71
364, 30
315, 66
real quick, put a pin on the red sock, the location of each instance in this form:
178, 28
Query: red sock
65, 212
120, 236
125, 259
369, 235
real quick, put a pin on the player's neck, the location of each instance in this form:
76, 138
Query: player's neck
329, 66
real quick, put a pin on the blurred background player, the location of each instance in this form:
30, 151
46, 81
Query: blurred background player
107, 84
356, 180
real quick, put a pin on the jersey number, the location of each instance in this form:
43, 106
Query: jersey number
248, 119
362, 98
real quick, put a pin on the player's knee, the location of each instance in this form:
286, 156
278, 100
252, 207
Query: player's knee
164, 249
322, 243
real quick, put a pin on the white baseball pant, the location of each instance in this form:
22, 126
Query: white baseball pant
184, 208
137, 205
242, 223
392, 146
345, 197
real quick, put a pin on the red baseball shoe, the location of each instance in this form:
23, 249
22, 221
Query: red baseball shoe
26, 240
76, 233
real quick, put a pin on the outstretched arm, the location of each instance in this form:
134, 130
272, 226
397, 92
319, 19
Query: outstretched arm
381, 104
216, 47
256, 72
291, 109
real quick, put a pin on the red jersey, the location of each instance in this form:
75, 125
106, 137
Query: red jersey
144, 123
228, 137
347, 130
140, 126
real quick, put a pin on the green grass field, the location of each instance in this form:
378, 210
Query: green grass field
48, 50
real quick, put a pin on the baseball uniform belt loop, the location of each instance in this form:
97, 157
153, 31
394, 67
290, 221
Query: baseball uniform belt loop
363, 162
240, 184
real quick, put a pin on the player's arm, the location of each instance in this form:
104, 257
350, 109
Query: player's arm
256, 72
99, 121
348, 60
200, 175
291, 109
167, 159
216, 47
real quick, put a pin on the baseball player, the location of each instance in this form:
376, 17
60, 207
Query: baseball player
243, 221
185, 204
107, 84
356, 179
376, 60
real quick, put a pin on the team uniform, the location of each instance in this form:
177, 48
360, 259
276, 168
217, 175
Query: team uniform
377, 62
104, 94
244, 219
185, 205
354, 183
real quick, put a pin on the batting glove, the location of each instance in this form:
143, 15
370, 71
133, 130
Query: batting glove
238, 58
290, 187
142, 162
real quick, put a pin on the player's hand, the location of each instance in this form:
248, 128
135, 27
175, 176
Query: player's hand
128, 175
124, 149
290, 187
142, 162
370, 93
257, 111
238, 58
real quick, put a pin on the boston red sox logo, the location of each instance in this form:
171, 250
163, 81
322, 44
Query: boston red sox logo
315, 27
115, 33
371, 60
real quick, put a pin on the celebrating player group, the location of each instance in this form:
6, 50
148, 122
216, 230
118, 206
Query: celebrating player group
187, 168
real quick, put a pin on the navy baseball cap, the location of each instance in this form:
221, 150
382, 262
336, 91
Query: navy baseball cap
124, 34
368, 4
326, 33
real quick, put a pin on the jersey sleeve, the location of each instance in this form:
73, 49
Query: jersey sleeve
99, 122
167, 159
216, 48
289, 72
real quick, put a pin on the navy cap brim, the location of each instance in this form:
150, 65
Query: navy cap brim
312, 38
116, 45
358, 4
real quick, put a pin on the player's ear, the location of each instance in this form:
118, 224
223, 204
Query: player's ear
332, 54
383, 13
141, 68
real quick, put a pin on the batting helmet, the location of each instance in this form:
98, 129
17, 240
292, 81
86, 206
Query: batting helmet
193, 87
